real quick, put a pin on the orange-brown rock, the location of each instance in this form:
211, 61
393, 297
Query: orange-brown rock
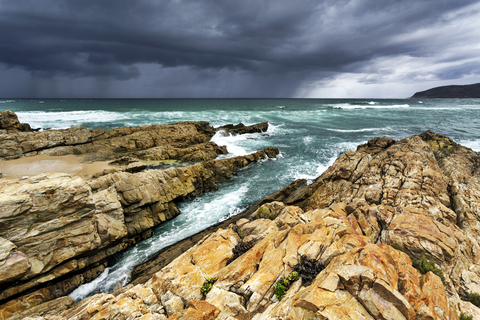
419, 194
54, 225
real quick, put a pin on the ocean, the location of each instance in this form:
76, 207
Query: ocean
310, 133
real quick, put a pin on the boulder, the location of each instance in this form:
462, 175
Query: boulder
9, 122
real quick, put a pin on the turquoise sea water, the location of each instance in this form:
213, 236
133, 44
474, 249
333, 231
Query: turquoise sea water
310, 133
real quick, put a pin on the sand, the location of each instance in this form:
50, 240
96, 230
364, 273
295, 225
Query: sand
31, 166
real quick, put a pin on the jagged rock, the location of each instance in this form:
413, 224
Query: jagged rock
101, 143
242, 129
9, 122
54, 225
47, 310
419, 193
200, 152
88, 307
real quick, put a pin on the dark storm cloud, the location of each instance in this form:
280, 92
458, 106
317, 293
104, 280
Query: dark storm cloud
261, 48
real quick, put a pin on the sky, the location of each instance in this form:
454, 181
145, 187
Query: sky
236, 49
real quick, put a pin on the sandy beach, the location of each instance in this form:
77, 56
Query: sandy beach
31, 166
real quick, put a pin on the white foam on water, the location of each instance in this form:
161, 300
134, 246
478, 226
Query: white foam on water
371, 102
307, 139
195, 216
457, 108
474, 145
67, 119
231, 142
350, 106
242, 144
298, 171
295, 173
84, 290
360, 130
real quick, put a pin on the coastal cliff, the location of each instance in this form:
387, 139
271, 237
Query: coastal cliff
389, 231
452, 92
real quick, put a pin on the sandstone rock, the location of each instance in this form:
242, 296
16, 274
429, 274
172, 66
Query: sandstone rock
13, 264
56, 220
173, 305
88, 307
403, 193
47, 309
229, 303
79, 140
10, 123
200, 152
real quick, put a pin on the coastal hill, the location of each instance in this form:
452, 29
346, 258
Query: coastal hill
454, 91
389, 231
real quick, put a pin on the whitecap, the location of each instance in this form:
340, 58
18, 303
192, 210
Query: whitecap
307, 139
353, 106
359, 130
472, 144
67, 119
195, 216
86, 289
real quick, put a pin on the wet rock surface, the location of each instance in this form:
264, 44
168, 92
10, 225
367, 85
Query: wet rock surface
354, 232
240, 128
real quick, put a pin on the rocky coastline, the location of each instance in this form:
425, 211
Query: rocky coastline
389, 231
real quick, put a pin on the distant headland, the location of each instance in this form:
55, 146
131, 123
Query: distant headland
454, 91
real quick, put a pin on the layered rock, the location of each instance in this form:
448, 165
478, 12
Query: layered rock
419, 195
103, 142
55, 225
362, 280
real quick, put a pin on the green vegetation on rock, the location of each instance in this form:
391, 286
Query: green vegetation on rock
425, 265
282, 285
464, 316
208, 285
474, 298
265, 213
397, 247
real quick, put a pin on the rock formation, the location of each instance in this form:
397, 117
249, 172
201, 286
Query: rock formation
366, 222
9, 123
58, 231
242, 129
459, 92
188, 141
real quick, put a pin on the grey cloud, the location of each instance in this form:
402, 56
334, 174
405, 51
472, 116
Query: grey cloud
262, 48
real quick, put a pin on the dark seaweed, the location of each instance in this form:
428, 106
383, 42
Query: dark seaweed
308, 269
